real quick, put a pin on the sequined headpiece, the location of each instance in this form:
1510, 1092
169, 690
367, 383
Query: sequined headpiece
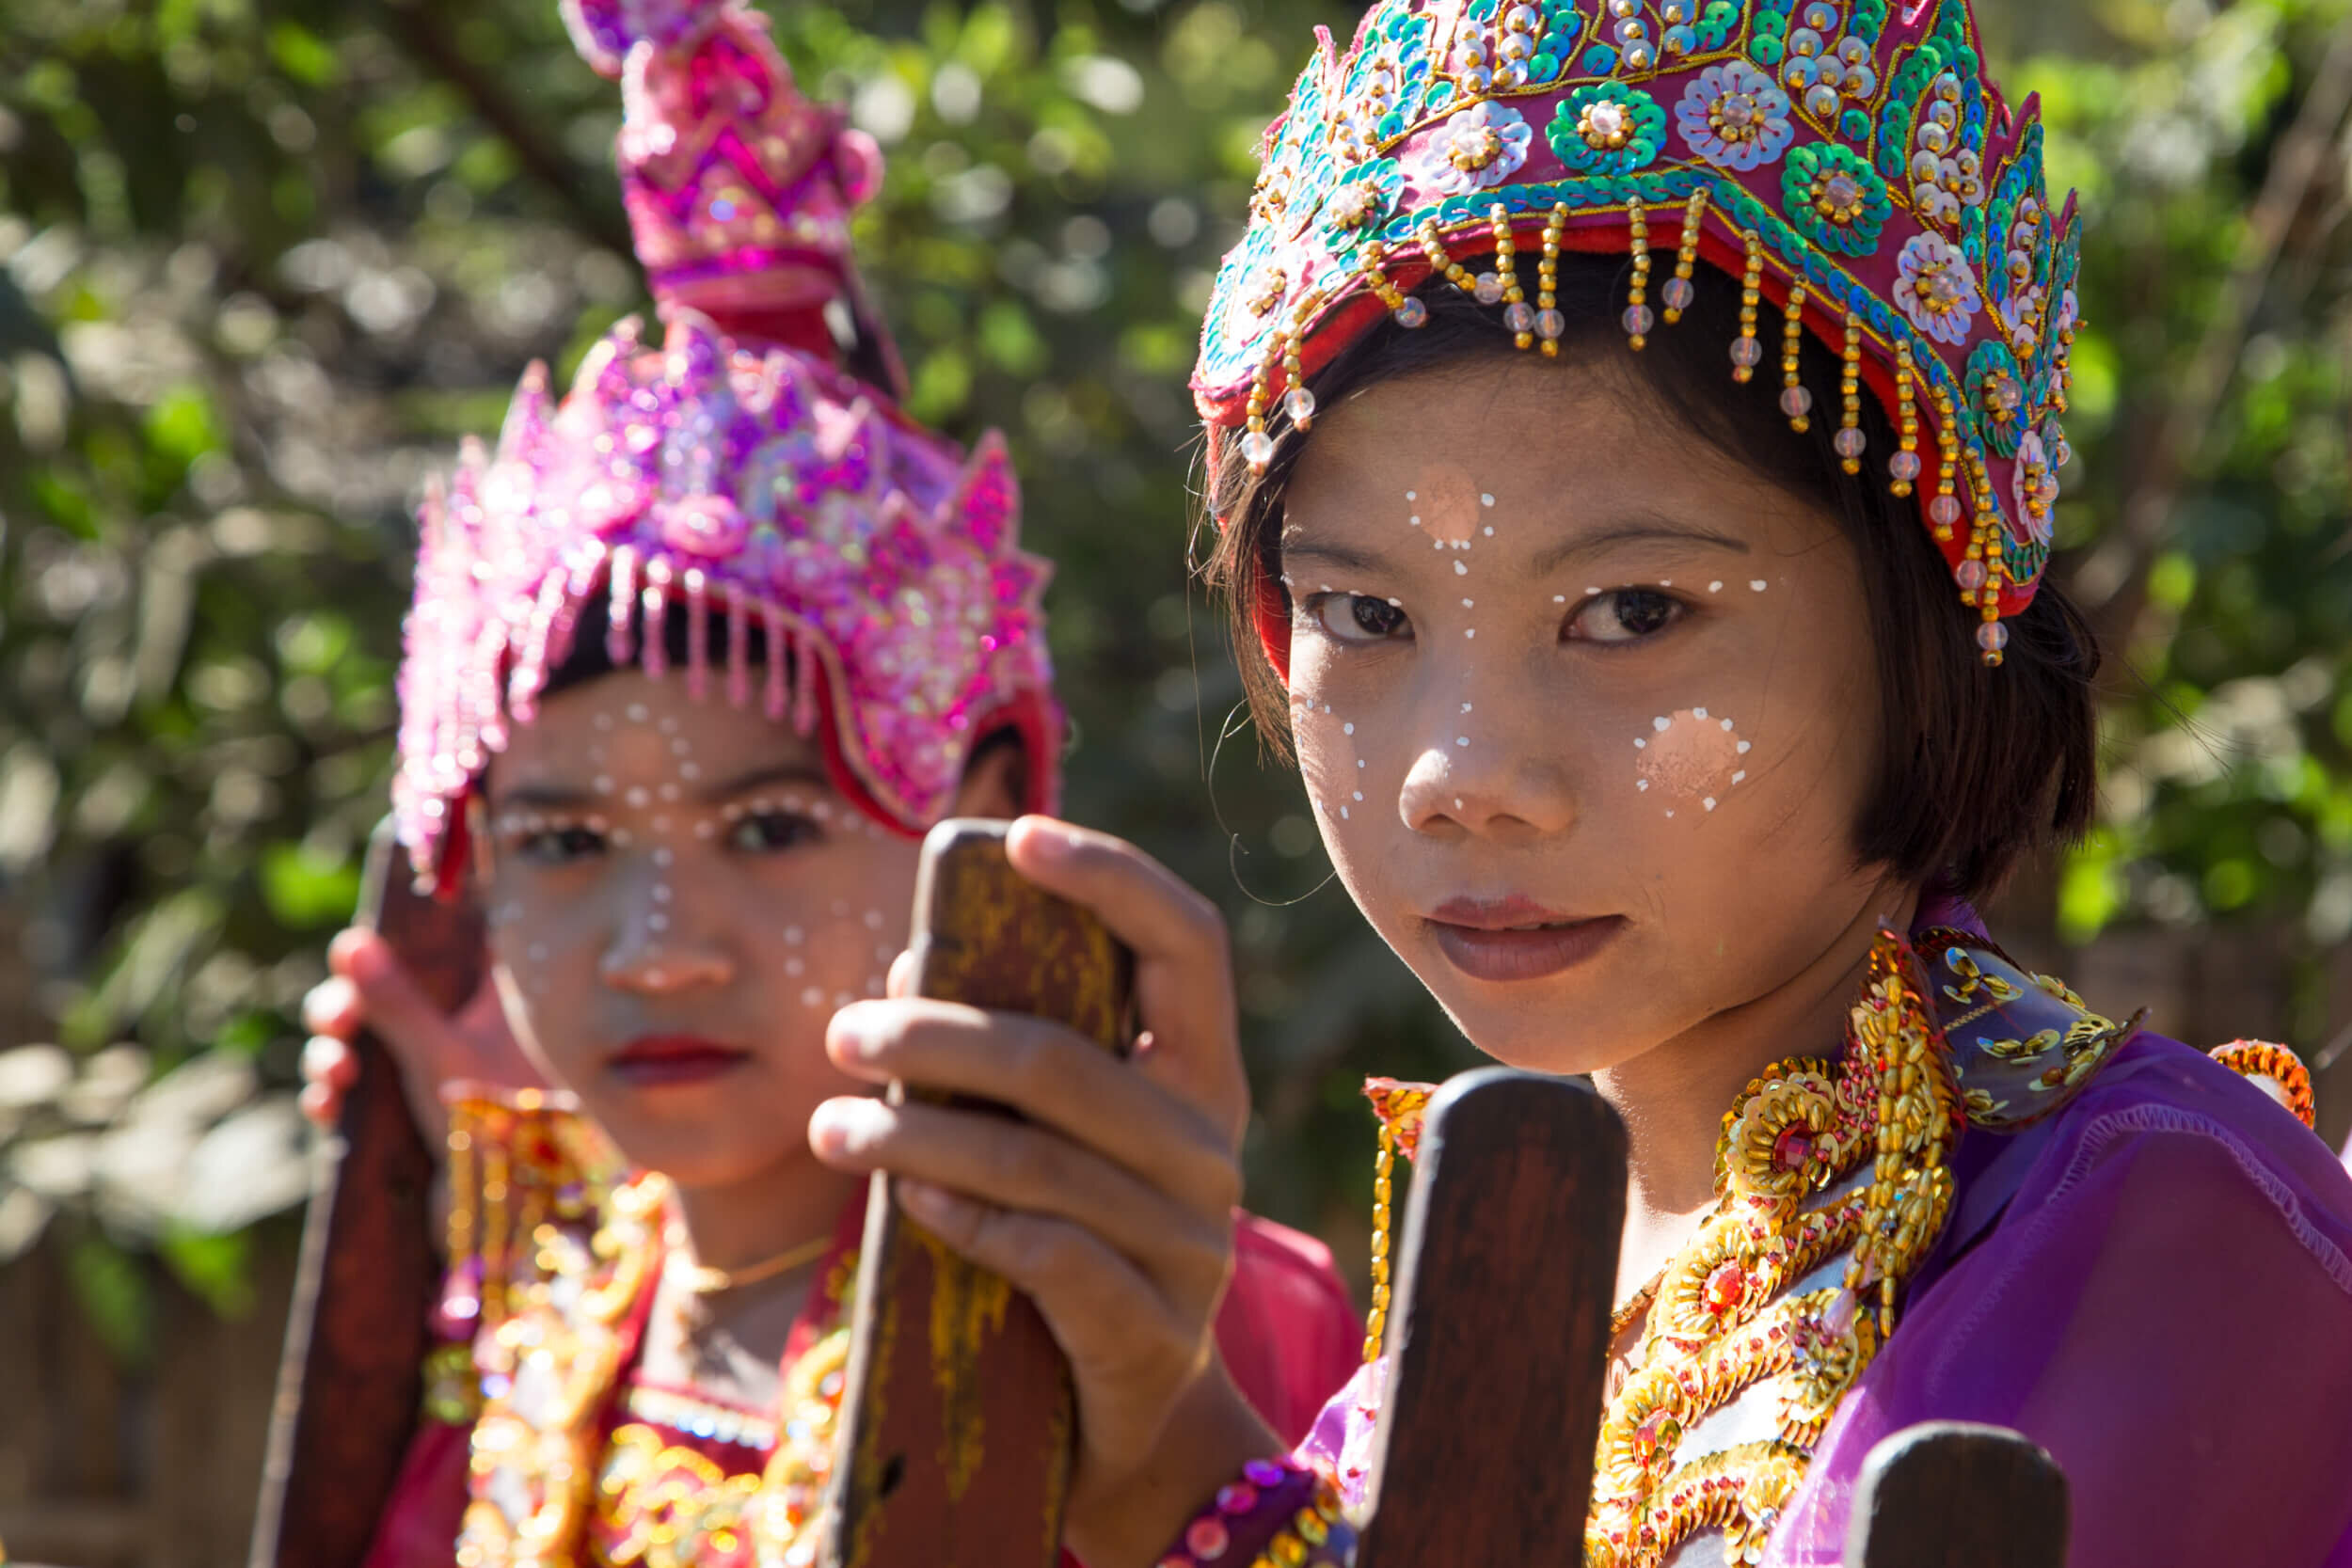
1847, 160
734, 471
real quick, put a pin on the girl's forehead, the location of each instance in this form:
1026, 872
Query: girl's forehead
629, 724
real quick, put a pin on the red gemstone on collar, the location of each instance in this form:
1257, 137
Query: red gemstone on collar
1792, 1149
1724, 1288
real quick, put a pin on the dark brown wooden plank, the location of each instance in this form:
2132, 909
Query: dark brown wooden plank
350, 1378
1500, 1331
956, 1429
1954, 1495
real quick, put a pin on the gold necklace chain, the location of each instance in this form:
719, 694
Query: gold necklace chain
701, 1280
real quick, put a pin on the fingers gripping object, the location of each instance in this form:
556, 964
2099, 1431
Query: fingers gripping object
958, 1425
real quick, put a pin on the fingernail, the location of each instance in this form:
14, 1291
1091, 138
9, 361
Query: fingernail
1044, 834
368, 960
846, 1126
859, 1032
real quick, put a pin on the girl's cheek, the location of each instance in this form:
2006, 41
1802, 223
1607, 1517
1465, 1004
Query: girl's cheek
1331, 756
1687, 763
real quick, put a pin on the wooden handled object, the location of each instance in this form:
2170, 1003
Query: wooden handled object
350, 1377
956, 1429
1955, 1494
1498, 1335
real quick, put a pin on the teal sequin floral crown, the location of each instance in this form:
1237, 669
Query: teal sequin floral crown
1847, 160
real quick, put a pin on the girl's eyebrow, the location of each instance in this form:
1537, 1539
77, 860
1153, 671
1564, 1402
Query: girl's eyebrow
1630, 531
1333, 555
800, 770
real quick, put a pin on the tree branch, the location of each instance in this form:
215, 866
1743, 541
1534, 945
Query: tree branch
416, 27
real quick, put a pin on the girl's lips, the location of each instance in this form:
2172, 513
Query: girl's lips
1497, 953
655, 1061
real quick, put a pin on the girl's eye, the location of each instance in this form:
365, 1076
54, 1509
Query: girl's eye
560, 846
1627, 615
764, 832
1358, 618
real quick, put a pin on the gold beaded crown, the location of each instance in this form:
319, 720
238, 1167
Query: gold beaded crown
1847, 160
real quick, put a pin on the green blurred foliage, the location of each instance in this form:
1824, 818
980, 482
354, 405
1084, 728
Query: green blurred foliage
260, 266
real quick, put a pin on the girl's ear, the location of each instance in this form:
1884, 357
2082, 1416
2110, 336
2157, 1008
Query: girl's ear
997, 782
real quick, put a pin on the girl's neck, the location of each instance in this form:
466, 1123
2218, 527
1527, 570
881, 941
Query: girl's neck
741, 1224
1673, 1098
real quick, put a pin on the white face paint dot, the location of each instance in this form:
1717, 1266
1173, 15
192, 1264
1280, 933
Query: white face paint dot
657, 922
1757, 584
688, 772
1345, 729
1472, 632
1412, 495
604, 721
1642, 784
661, 892
706, 828
812, 998
1661, 724
1359, 796
603, 784
1457, 802
1639, 744
1490, 533
668, 725
1698, 713
1744, 746
1466, 707
1726, 723
1461, 569
1468, 604
637, 713
1709, 803
669, 792
1343, 813
1739, 777
873, 920
1487, 500
637, 795
1559, 598
1715, 588
1461, 741
1416, 519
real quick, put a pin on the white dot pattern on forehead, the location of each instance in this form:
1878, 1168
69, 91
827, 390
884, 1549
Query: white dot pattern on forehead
1758, 585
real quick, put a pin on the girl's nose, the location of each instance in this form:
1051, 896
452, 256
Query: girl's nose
657, 952
1487, 787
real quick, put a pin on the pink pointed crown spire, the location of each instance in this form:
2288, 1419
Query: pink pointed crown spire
836, 564
739, 189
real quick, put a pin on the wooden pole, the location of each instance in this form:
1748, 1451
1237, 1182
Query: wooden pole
1955, 1494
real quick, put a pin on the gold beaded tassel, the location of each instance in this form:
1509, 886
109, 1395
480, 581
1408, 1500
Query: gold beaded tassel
1944, 511
1517, 314
1298, 401
1638, 317
1850, 440
1434, 247
1746, 352
465, 1194
497, 1227
1903, 467
1992, 637
1376, 1326
1795, 401
1549, 323
1257, 446
1408, 311
1679, 293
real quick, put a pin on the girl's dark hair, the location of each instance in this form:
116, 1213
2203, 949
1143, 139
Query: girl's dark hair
1977, 766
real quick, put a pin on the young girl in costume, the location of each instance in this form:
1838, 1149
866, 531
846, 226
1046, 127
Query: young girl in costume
694, 660
1634, 434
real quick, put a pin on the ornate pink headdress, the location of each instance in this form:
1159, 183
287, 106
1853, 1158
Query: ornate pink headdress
1850, 161
734, 472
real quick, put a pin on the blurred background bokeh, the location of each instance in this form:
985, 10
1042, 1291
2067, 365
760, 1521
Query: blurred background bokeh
263, 261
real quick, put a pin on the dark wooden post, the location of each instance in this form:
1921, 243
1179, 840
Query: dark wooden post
351, 1376
1954, 1495
1500, 1331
